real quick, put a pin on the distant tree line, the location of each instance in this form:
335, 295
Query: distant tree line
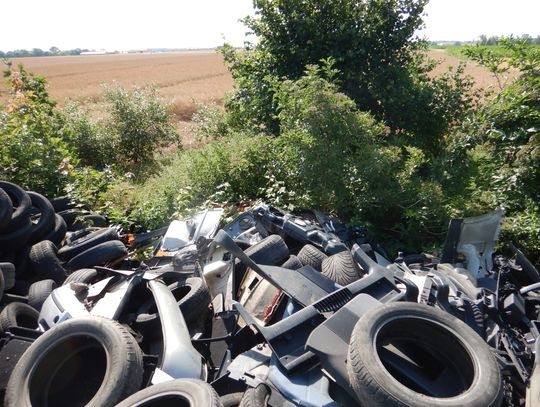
494, 39
38, 52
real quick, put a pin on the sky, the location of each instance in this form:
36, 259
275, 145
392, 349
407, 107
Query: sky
118, 25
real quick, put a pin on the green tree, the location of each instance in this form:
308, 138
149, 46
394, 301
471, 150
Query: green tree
374, 47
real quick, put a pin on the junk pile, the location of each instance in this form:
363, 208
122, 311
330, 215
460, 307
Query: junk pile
271, 309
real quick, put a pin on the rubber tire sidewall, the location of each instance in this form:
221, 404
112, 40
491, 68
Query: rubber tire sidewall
6, 209
196, 392
84, 276
374, 385
39, 292
194, 305
46, 221
22, 204
57, 234
85, 242
98, 255
8, 316
124, 371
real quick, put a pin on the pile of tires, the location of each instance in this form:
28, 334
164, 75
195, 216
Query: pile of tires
43, 241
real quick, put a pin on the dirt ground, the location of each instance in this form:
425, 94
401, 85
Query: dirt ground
482, 78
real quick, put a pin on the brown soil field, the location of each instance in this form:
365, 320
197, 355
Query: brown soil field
482, 78
185, 79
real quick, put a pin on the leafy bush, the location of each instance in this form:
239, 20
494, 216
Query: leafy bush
90, 141
33, 151
140, 123
329, 156
497, 155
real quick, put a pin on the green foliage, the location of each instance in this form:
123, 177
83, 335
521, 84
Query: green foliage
211, 122
373, 47
329, 156
90, 141
33, 152
511, 53
140, 124
88, 186
498, 152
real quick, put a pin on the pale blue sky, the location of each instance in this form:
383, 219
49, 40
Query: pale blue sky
135, 24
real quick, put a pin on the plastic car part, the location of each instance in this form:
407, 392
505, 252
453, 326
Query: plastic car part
309, 388
250, 366
300, 229
244, 228
533, 389
180, 359
257, 295
330, 340
305, 285
216, 276
474, 238
12, 347
60, 306
287, 337
184, 232
526, 264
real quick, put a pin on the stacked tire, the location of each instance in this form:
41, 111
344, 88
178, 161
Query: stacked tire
42, 241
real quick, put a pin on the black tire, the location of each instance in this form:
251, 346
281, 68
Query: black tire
61, 203
311, 256
256, 396
462, 283
341, 268
85, 242
7, 257
440, 360
45, 222
179, 392
16, 239
2, 286
6, 209
292, 263
192, 297
21, 261
8, 272
232, 399
96, 363
45, 264
70, 216
57, 234
18, 314
94, 220
20, 287
72, 236
270, 251
85, 276
22, 204
98, 255
91, 220
39, 292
